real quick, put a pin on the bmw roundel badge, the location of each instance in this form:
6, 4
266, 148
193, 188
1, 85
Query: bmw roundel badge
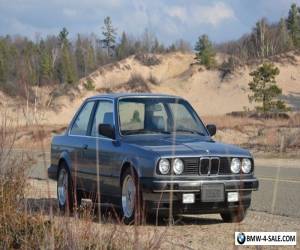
241, 238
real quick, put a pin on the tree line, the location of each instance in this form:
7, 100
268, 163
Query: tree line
59, 59
266, 39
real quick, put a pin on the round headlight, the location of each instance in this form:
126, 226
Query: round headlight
246, 166
178, 166
235, 165
164, 166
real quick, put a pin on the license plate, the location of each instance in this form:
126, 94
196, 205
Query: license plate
212, 192
188, 198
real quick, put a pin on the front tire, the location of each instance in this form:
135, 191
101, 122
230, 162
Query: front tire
234, 216
131, 199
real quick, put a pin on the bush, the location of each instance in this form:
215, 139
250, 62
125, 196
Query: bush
148, 59
89, 85
15, 225
136, 83
227, 67
205, 53
17, 90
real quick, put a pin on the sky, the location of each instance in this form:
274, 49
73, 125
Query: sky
170, 20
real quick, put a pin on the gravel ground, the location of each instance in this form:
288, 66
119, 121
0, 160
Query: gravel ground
209, 232
189, 232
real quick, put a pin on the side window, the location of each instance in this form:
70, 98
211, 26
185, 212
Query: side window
104, 114
81, 123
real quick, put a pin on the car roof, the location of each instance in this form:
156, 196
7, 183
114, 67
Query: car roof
122, 95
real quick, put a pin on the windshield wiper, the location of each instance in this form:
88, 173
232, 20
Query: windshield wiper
191, 131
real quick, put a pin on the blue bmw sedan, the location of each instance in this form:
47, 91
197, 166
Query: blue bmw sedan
149, 154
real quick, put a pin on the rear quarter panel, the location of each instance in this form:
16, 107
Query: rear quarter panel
62, 147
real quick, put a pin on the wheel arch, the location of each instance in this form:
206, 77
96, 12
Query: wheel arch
125, 165
64, 158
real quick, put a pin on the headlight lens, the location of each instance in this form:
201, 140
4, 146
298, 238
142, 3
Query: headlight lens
246, 166
235, 165
164, 166
178, 166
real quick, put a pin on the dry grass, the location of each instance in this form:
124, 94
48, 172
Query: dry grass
262, 136
25, 226
136, 84
15, 226
148, 59
227, 121
230, 121
29, 223
33, 136
294, 121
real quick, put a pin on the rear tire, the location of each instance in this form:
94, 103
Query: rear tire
237, 215
65, 193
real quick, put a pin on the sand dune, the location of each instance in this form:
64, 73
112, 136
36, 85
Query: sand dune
178, 75
204, 89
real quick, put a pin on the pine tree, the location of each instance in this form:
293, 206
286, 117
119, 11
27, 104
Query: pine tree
123, 49
265, 90
65, 68
2, 69
293, 24
3, 61
68, 66
79, 55
205, 53
63, 36
109, 33
46, 65
90, 60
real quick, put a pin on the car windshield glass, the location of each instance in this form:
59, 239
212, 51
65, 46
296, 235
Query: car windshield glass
158, 116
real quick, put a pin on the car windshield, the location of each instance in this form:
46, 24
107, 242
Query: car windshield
158, 116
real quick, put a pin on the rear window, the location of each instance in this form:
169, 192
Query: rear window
80, 126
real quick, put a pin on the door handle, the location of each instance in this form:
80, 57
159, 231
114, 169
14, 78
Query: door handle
85, 146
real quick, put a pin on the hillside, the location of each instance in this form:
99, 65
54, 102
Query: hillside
210, 95
175, 74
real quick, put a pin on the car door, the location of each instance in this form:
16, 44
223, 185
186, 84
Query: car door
78, 141
100, 154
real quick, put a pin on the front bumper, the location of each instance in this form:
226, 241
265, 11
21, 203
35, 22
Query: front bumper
161, 194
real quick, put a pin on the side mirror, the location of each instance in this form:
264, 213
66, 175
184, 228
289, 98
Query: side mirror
106, 130
212, 129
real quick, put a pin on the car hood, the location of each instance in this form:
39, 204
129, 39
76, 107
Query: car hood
184, 145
